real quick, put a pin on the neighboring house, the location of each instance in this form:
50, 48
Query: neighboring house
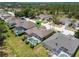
41, 33
13, 21
44, 17
19, 25
24, 25
5, 15
61, 45
65, 21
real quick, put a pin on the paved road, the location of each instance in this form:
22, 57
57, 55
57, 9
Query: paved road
62, 29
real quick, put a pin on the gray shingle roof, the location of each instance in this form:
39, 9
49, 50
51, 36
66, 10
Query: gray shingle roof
26, 24
65, 21
59, 40
44, 16
40, 32
21, 23
11, 21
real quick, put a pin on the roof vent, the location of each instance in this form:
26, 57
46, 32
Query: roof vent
69, 39
56, 44
56, 38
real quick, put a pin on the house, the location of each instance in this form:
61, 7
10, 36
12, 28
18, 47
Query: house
13, 21
19, 25
44, 17
61, 45
4, 15
23, 25
65, 21
40, 34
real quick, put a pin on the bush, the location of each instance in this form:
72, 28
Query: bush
77, 34
31, 46
8, 35
26, 41
23, 39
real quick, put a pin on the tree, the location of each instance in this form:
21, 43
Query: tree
70, 15
55, 20
19, 14
2, 37
76, 16
31, 14
2, 29
38, 24
77, 34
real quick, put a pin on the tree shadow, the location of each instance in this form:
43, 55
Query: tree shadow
2, 40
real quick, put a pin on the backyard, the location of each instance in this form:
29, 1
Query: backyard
77, 54
16, 46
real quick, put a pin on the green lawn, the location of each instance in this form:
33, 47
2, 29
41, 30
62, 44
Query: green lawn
21, 49
77, 54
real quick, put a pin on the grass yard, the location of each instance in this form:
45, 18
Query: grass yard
21, 49
77, 54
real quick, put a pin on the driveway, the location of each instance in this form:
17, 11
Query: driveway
62, 29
